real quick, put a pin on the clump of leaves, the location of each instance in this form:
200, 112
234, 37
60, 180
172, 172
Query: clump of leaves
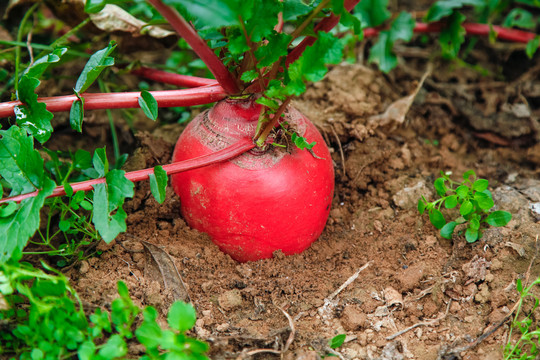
41, 317
473, 201
527, 346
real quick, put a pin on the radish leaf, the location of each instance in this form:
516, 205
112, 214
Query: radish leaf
93, 68
181, 316
148, 104
33, 116
158, 184
76, 114
372, 13
445, 8
452, 36
40, 65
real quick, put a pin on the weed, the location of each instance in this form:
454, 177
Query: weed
473, 200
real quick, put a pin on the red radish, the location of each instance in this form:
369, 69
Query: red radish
261, 201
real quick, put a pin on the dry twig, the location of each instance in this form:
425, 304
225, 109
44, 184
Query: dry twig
348, 282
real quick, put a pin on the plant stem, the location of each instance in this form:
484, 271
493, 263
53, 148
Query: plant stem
228, 153
253, 58
93, 101
167, 77
19, 40
260, 140
309, 19
207, 55
103, 87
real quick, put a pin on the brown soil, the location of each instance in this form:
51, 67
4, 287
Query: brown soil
451, 291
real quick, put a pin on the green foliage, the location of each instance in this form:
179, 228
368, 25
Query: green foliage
93, 68
474, 203
47, 321
158, 184
33, 115
148, 104
526, 345
337, 341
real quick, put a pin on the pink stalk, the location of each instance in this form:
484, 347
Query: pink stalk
185, 30
503, 33
122, 100
228, 153
166, 77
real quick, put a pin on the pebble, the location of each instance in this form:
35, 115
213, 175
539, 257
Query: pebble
84, 267
230, 299
408, 197
352, 318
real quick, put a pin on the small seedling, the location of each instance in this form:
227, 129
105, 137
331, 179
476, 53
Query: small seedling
472, 199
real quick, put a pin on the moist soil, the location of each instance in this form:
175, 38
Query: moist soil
416, 294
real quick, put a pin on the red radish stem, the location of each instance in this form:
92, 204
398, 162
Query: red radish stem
503, 33
207, 55
121, 100
166, 77
228, 153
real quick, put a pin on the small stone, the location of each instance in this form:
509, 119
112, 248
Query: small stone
207, 286
408, 197
352, 318
84, 267
230, 299
222, 327
410, 277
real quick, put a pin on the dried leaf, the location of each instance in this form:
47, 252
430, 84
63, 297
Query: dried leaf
160, 266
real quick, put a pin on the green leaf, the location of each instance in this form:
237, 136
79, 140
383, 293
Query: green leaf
448, 229
148, 104
214, 13
292, 9
499, 218
421, 205
115, 347
301, 142
149, 333
158, 184
16, 229
521, 18
337, 341
40, 65
450, 202
437, 219
181, 316
532, 46
6, 209
462, 191
94, 6
272, 104
64, 225
372, 13
249, 76
270, 52
483, 200
93, 68
109, 217
33, 116
345, 17
519, 286
474, 224
446, 7
100, 162
440, 187
466, 208
468, 174
263, 18
76, 114
471, 235
480, 185
452, 36
87, 349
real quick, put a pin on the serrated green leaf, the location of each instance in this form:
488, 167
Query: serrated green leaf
263, 19
499, 218
452, 36
345, 17
402, 27
471, 235
148, 104
181, 316
249, 76
33, 116
532, 46
16, 229
437, 219
272, 104
372, 13
39, 66
109, 217
462, 191
211, 14
301, 142
480, 185
483, 200
292, 9
451, 202
158, 184
448, 230
520, 18
466, 208
270, 52
337, 341
76, 114
93, 68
